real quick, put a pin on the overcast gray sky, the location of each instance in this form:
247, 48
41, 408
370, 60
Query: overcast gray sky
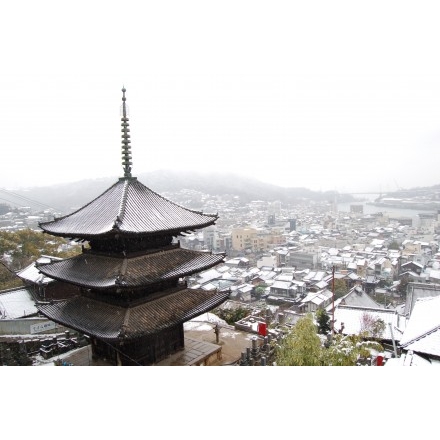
325, 95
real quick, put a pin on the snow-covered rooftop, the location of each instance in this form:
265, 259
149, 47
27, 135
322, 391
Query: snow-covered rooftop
352, 317
17, 303
422, 333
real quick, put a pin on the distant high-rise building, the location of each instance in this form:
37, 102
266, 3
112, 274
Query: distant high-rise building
292, 224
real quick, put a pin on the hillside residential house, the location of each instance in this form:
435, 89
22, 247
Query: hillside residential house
411, 266
370, 284
282, 288
422, 333
315, 300
242, 293
351, 320
356, 297
239, 262
416, 291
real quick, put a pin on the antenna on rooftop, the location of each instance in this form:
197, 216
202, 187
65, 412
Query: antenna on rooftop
126, 148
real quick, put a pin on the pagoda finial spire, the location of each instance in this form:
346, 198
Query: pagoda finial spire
126, 148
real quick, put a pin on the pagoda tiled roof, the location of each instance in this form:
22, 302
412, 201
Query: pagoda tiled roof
128, 207
116, 323
106, 272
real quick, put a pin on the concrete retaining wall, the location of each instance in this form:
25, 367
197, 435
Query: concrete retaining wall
29, 326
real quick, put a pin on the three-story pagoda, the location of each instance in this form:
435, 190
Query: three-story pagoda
133, 299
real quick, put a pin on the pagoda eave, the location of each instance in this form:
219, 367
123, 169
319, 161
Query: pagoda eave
116, 324
128, 207
102, 272
112, 233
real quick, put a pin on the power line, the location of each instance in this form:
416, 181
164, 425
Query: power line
15, 203
27, 199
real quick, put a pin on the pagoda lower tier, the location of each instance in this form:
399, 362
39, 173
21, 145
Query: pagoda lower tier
142, 334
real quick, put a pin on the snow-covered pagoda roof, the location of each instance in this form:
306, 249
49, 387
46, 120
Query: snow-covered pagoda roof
115, 323
128, 207
108, 272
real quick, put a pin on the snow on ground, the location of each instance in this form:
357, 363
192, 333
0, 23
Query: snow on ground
207, 322
204, 322
233, 334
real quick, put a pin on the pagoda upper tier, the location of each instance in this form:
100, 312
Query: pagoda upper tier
126, 209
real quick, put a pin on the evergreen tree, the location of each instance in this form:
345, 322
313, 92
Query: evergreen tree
231, 316
341, 288
323, 320
394, 245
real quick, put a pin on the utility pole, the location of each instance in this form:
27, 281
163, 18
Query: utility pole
333, 300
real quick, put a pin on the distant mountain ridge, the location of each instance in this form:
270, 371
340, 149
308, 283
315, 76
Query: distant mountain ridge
69, 196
